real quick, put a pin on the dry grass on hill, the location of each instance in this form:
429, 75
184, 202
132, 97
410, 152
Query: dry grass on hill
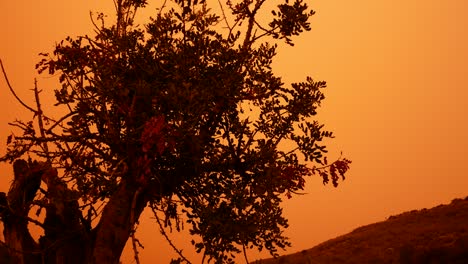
436, 235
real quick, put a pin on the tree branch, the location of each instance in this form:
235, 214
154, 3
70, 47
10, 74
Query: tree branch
252, 14
132, 220
245, 255
224, 16
161, 228
39, 119
13, 91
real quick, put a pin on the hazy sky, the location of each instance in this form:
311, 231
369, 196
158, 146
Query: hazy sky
397, 74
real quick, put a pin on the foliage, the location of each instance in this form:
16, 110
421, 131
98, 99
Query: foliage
191, 116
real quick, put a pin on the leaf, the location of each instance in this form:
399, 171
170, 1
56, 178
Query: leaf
162, 107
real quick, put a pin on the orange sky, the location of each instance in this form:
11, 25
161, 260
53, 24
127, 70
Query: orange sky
397, 73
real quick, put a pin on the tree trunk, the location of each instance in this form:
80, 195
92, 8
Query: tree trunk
15, 208
117, 223
67, 236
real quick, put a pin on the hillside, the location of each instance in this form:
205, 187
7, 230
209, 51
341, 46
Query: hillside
436, 235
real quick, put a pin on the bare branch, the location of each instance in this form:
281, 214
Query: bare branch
224, 16
132, 221
161, 228
245, 255
162, 7
13, 91
39, 119
59, 121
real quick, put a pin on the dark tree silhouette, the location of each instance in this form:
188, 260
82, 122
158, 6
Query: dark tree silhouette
184, 116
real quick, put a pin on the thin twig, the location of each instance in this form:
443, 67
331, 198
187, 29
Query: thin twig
13, 91
98, 30
161, 8
161, 228
224, 15
245, 255
59, 121
132, 234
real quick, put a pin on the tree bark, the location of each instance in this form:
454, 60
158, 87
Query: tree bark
68, 238
64, 239
21, 246
117, 222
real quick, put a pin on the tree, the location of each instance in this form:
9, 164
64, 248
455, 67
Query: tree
184, 116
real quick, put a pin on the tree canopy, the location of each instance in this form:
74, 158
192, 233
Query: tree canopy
184, 115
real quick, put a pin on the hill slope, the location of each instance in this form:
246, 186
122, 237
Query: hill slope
436, 235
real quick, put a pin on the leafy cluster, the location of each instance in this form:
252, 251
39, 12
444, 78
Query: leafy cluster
192, 115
